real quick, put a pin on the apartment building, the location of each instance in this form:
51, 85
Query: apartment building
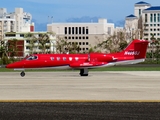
150, 18
83, 34
5, 26
17, 21
131, 26
152, 22
26, 46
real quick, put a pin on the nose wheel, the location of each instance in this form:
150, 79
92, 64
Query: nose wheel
22, 74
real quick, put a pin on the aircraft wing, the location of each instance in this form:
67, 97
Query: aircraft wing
87, 64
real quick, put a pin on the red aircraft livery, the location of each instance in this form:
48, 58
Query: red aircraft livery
134, 53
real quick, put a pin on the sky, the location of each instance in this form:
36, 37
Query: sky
47, 11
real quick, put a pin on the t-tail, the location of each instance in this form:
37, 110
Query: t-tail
136, 49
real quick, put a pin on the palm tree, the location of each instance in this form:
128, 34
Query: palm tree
42, 40
32, 39
4, 52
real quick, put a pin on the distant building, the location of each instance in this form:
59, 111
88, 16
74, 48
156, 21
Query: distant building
6, 25
25, 46
83, 34
17, 21
152, 22
146, 20
131, 26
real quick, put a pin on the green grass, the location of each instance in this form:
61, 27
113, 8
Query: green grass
128, 68
116, 68
6, 70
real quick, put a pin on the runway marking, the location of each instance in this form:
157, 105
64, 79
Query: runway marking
83, 101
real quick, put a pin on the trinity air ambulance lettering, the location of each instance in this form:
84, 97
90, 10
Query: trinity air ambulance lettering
131, 53
86, 64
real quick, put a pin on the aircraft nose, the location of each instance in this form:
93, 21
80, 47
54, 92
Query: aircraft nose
15, 65
10, 65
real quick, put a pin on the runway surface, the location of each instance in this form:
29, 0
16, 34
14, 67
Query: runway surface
80, 111
66, 95
63, 86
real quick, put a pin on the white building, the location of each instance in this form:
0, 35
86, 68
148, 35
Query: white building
6, 25
139, 7
84, 34
24, 44
150, 19
152, 22
131, 27
17, 21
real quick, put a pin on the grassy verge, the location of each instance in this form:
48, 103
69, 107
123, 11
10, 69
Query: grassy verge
116, 68
128, 68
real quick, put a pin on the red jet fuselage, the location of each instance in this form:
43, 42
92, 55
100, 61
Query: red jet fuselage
134, 53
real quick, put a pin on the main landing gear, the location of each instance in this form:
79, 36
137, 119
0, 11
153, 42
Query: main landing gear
22, 74
83, 72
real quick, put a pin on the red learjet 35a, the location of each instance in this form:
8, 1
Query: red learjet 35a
134, 53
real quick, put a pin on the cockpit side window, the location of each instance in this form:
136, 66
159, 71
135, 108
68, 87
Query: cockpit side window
32, 58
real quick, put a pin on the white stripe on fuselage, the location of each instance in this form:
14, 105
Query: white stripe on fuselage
127, 62
57, 67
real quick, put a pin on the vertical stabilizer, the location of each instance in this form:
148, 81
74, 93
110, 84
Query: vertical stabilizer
136, 48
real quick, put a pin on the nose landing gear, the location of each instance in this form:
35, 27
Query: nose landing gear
22, 74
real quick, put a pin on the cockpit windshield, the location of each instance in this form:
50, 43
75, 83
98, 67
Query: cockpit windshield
32, 58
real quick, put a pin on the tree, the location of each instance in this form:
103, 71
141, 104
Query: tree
39, 40
95, 49
113, 43
3, 52
31, 39
43, 40
141, 27
155, 44
12, 48
63, 46
122, 45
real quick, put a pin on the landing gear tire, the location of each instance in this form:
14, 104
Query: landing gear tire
22, 74
83, 72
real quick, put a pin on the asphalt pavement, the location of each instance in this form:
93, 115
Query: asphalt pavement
66, 95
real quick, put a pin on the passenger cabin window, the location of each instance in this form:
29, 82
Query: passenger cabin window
32, 58
58, 58
64, 58
52, 58
70, 58
76, 58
